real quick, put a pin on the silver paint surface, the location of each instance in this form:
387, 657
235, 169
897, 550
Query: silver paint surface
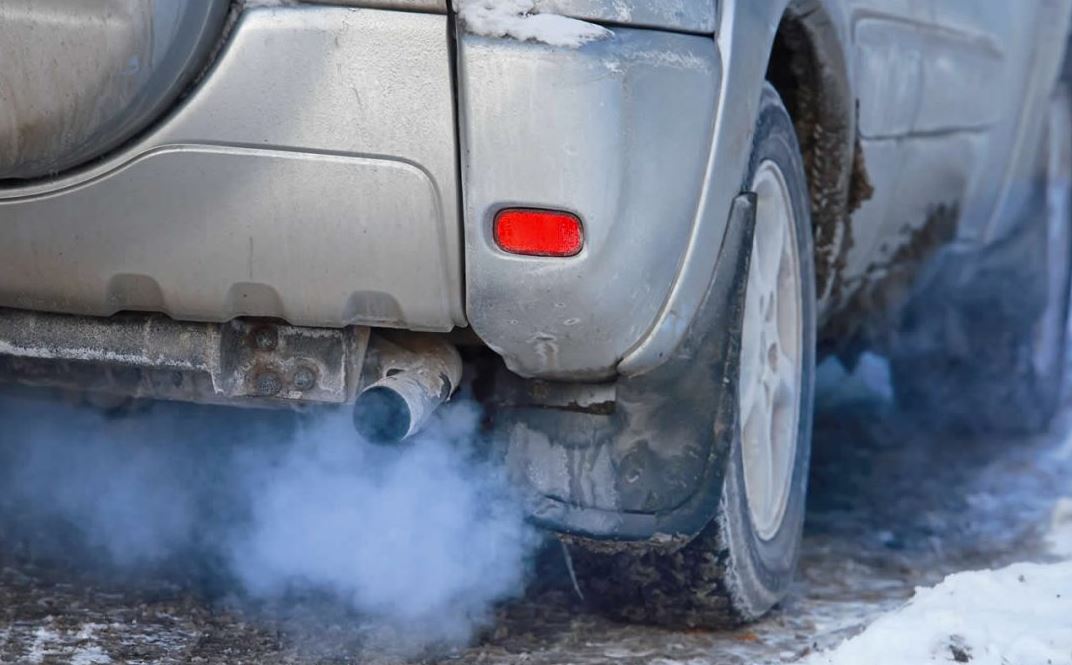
616, 132
286, 186
680, 15
80, 78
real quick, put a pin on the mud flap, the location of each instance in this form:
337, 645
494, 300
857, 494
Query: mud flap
651, 467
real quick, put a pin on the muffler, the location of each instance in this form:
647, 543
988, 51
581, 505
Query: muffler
417, 373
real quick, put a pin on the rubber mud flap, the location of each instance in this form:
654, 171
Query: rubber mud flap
652, 468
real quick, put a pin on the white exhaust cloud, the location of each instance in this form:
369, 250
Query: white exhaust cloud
421, 539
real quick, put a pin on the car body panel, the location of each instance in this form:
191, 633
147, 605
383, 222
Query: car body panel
80, 78
1015, 147
644, 125
283, 187
437, 6
743, 39
679, 15
616, 132
212, 246
949, 94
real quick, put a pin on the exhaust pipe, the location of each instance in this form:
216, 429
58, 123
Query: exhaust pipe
417, 374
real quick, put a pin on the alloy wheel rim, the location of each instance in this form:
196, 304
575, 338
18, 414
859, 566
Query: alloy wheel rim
771, 344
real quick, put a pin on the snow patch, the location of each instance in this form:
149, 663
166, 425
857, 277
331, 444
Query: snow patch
91, 655
43, 645
1020, 614
517, 19
1059, 536
52, 646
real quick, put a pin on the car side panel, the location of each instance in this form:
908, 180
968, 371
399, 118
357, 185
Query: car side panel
680, 15
923, 131
1037, 63
744, 36
945, 87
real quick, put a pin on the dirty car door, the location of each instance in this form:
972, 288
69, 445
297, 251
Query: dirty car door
937, 125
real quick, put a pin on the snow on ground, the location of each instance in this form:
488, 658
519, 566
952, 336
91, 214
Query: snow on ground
1021, 614
77, 648
516, 18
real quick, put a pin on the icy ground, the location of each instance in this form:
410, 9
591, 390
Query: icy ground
893, 507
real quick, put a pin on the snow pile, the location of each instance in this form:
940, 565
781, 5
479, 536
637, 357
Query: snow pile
1059, 537
516, 18
1019, 615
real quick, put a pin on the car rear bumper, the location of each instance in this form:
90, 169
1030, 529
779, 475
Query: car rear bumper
314, 173
310, 177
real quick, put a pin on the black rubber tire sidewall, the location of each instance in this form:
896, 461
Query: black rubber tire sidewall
760, 571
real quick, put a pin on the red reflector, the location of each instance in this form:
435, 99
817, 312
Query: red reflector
538, 232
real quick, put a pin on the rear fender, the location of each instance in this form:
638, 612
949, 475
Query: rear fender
651, 467
744, 37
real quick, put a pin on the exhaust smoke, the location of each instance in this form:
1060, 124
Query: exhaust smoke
421, 540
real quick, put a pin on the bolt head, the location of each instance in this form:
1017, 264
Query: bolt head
267, 383
304, 378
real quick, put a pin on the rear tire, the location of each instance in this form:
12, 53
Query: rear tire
982, 345
742, 563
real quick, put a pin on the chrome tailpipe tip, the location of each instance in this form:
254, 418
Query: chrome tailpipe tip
415, 381
397, 407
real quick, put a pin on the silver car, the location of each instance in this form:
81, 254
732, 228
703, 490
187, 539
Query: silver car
639, 223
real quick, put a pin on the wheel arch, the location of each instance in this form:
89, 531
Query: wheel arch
805, 45
810, 67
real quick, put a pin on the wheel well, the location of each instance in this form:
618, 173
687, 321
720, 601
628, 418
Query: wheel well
808, 69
